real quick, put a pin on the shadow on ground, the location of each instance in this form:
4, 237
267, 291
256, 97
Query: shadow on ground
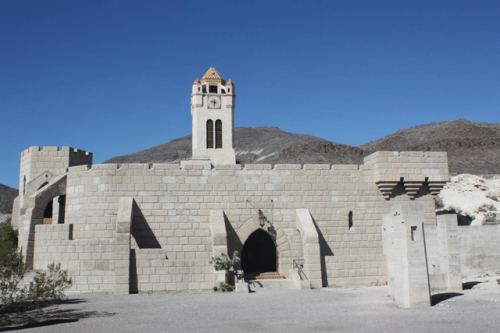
49, 316
438, 298
469, 285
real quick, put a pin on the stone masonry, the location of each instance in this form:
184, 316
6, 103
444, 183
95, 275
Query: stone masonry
120, 228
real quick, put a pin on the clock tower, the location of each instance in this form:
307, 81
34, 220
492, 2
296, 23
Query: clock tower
212, 110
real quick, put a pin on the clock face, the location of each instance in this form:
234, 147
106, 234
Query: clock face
214, 102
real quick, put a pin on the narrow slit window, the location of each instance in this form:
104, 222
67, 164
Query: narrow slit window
24, 185
62, 209
218, 134
210, 134
351, 223
413, 234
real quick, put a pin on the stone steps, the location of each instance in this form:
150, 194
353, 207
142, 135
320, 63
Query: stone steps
271, 284
263, 276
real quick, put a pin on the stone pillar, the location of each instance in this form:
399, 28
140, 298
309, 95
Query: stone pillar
219, 241
55, 210
404, 245
122, 245
449, 249
310, 245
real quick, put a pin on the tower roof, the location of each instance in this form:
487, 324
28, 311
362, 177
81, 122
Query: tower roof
213, 76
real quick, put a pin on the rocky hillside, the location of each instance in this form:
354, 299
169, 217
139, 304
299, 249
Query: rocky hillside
7, 196
322, 152
252, 145
472, 147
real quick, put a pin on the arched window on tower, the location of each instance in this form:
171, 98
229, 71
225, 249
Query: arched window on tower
218, 134
210, 133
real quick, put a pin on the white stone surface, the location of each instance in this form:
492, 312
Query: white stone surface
466, 194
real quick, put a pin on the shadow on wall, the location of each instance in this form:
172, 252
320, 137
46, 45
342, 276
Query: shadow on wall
325, 251
233, 242
133, 282
461, 219
141, 231
399, 191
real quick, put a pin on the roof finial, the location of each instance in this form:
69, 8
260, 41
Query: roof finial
213, 76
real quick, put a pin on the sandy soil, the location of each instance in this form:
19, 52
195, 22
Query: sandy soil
361, 309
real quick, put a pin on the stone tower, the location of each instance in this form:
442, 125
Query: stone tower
212, 109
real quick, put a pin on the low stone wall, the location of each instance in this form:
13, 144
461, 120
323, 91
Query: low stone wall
90, 262
479, 249
153, 272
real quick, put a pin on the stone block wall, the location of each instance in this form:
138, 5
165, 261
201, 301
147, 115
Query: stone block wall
51, 160
171, 218
90, 262
479, 249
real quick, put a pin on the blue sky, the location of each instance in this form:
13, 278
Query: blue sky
114, 77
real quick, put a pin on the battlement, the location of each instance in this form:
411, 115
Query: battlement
405, 156
49, 150
398, 164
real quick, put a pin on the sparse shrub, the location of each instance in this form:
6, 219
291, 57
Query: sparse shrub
224, 287
224, 262
486, 208
492, 196
490, 217
8, 241
45, 288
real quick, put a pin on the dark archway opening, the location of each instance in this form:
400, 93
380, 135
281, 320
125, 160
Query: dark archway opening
259, 253
47, 213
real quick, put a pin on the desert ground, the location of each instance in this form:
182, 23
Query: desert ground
352, 309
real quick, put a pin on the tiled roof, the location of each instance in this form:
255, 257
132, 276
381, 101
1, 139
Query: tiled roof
213, 76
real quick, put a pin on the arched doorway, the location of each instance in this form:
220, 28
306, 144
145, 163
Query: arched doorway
259, 253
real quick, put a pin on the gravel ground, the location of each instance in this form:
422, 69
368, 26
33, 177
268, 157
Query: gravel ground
362, 309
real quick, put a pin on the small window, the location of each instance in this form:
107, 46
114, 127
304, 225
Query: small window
222, 91
351, 223
204, 89
228, 90
413, 234
210, 134
62, 209
199, 88
212, 89
218, 134
24, 185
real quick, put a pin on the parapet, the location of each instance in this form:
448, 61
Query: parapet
37, 151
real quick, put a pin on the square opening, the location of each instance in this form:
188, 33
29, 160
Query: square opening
212, 89
413, 233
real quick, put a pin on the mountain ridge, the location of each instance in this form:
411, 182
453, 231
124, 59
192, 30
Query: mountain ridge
472, 147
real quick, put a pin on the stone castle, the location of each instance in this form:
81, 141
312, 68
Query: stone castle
120, 228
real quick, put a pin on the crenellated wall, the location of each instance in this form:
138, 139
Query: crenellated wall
171, 241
